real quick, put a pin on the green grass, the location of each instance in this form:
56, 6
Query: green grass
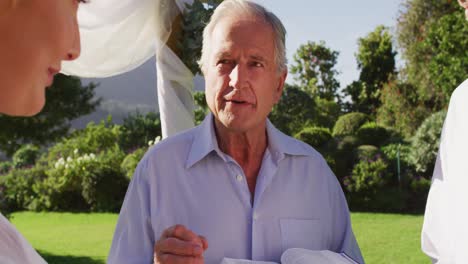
85, 238
68, 238
389, 238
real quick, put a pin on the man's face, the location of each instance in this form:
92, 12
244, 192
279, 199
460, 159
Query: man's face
242, 78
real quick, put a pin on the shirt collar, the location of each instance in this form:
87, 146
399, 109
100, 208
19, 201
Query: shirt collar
279, 145
204, 142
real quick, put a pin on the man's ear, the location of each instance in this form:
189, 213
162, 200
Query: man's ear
280, 86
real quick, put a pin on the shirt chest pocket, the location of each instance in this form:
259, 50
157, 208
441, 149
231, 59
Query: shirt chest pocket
302, 233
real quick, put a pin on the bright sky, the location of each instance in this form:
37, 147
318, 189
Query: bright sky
339, 23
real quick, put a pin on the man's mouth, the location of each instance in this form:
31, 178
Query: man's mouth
237, 101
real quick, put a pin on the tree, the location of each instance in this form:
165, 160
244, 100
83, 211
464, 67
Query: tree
313, 66
66, 100
447, 63
189, 39
400, 109
376, 60
295, 110
413, 27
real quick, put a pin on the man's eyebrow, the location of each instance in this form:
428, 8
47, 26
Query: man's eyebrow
222, 54
258, 57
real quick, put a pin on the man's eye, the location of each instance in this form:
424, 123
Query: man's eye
83, 1
224, 62
257, 64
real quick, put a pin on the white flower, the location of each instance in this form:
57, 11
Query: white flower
69, 159
75, 151
92, 156
157, 139
150, 143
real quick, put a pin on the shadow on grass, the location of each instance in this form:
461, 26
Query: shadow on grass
57, 259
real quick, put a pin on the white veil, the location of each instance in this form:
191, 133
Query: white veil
119, 36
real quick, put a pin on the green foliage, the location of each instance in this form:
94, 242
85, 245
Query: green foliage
5, 167
349, 124
18, 187
368, 176
319, 138
295, 110
93, 139
327, 112
413, 27
137, 130
83, 182
367, 152
131, 161
202, 107
66, 100
418, 188
447, 64
104, 186
425, 144
194, 20
345, 155
370, 188
372, 134
25, 156
400, 108
376, 60
313, 66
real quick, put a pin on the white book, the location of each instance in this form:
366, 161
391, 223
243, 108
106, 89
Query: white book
301, 256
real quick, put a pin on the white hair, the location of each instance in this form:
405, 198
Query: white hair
244, 7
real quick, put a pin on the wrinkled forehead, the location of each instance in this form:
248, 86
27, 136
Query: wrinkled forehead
246, 33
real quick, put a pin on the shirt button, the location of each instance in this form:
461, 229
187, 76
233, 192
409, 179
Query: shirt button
255, 216
239, 178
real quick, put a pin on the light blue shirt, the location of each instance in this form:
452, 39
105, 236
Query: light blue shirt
186, 179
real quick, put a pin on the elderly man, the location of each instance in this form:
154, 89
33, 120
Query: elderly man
252, 191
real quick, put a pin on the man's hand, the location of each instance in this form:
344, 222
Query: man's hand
178, 244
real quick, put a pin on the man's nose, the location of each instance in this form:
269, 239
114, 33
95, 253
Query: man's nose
238, 76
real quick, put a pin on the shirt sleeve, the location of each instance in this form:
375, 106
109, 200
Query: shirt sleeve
133, 240
343, 239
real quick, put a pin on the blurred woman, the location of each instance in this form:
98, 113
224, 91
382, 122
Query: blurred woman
36, 36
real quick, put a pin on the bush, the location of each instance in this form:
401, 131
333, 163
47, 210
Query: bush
327, 112
345, 156
138, 129
131, 161
317, 137
370, 188
5, 167
419, 189
425, 144
368, 176
93, 139
18, 187
25, 156
367, 152
372, 134
320, 139
295, 111
104, 186
349, 124
84, 182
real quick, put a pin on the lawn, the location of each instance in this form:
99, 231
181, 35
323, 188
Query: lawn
85, 238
